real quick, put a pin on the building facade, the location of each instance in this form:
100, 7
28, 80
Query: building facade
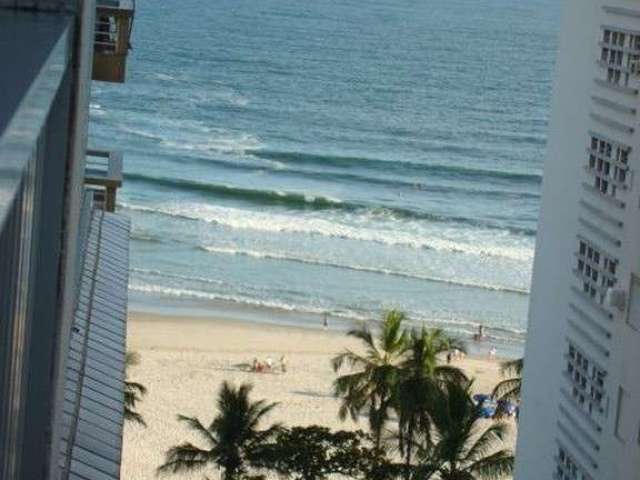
63, 249
581, 392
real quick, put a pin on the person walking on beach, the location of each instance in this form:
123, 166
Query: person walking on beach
325, 322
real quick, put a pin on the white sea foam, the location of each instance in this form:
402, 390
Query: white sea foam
351, 227
158, 273
361, 268
215, 140
164, 76
205, 295
190, 135
465, 328
96, 109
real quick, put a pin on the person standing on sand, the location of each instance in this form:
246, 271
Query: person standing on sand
325, 322
283, 364
492, 353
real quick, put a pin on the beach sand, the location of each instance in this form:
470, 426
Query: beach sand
184, 360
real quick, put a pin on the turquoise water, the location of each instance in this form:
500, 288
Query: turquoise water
336, 156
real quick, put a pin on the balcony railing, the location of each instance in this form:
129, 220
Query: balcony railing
103, 175
34, 134
114, 21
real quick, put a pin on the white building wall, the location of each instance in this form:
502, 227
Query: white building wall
598, 439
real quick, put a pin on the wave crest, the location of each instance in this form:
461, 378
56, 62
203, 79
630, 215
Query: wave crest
359, 268
301, 201
386, 234
404, 166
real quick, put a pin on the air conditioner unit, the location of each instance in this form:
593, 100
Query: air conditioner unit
617, 298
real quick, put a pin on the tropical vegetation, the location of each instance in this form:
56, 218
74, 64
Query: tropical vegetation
230, 439
315, 453
133, 392
373, 374
461, 445
423, 421
421, 377
509, 389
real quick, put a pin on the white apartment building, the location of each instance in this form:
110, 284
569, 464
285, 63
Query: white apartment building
581, 393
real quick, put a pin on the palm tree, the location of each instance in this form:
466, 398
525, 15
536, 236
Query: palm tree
509, 389
133, 392
421, 377
370, 382
464, 447
230, 438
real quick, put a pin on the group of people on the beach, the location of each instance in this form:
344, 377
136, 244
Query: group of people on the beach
480, 336
268, 365
455, 354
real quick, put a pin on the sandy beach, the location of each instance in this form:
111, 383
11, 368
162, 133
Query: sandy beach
184, 360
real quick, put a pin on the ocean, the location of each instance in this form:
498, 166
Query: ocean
336, 157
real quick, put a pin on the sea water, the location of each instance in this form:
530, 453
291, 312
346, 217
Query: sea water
335, 156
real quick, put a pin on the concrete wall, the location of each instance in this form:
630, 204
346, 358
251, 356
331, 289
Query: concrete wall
555, 243
618, 456
83, 61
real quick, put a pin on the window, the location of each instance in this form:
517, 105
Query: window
596, 270
567, 468
618, 55
608, 163
587, 381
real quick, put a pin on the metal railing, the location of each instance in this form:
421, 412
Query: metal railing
103, 175
33, 163
114, 22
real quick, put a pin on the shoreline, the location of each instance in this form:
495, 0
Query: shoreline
183, 361
279, 317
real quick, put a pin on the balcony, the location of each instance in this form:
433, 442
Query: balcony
114, 21
103, 176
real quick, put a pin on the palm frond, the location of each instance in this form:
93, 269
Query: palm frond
496, 466
351, 359
508, 390
133, 416
136, 388
486, 442
512, 367
364, 334
450, 373
184, 458
195, 425
131, 358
